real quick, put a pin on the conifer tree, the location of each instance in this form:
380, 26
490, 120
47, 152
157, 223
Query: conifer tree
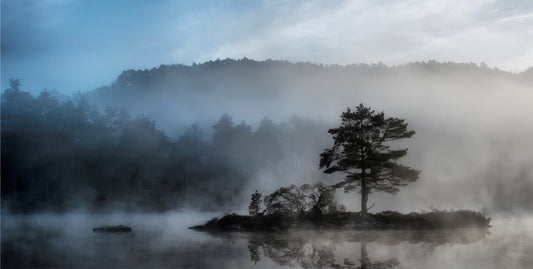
362, 151
255, 204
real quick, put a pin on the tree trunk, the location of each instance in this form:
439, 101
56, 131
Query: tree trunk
364, 196
364, 191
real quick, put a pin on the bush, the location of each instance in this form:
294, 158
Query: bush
298, 201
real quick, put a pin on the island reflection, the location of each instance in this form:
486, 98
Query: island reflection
328, 249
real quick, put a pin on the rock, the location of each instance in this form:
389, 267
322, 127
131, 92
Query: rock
113, 229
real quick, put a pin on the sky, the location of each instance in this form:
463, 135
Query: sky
79, 45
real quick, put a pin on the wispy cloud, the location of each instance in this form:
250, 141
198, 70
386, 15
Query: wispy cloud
388, 31
113, 36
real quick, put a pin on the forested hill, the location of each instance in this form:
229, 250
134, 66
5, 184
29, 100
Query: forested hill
160, 139
211, 75
204, 91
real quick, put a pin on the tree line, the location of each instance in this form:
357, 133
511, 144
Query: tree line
61, 155
56, 156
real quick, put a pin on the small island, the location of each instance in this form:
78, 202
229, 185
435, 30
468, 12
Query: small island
349, 220
324, 213
362, 151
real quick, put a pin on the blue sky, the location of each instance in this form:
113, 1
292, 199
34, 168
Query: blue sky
78, 45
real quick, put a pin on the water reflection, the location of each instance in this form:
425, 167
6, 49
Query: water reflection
163, 241
347, 249
321, 257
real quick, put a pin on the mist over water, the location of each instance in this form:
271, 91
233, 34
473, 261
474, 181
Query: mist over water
145, 145
471, 144
163, 241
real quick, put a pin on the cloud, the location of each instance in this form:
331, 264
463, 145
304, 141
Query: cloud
392, 32
114, 36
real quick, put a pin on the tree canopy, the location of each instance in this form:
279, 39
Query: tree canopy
58, 155
300, 200
362, 151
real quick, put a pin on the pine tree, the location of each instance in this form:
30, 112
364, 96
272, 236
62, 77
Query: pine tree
255, 204
361, 150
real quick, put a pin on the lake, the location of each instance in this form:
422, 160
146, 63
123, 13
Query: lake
163, 241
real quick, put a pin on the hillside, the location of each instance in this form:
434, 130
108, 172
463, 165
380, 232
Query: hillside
177, 95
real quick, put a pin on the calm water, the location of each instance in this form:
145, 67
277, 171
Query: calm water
163, 241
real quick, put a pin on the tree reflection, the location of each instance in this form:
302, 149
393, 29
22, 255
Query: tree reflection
298, 252
311, 250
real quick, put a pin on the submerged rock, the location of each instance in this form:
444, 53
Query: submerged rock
113, 229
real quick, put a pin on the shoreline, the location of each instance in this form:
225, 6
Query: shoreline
387, 220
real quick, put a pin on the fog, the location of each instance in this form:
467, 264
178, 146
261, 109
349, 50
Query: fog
163, 241
163, 149
472, 121
161, 115
471, 145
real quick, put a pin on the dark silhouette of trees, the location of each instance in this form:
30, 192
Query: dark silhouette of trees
324, 201
290, 200
267, 140
299, 200
58, 155
362, 151
255, 204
